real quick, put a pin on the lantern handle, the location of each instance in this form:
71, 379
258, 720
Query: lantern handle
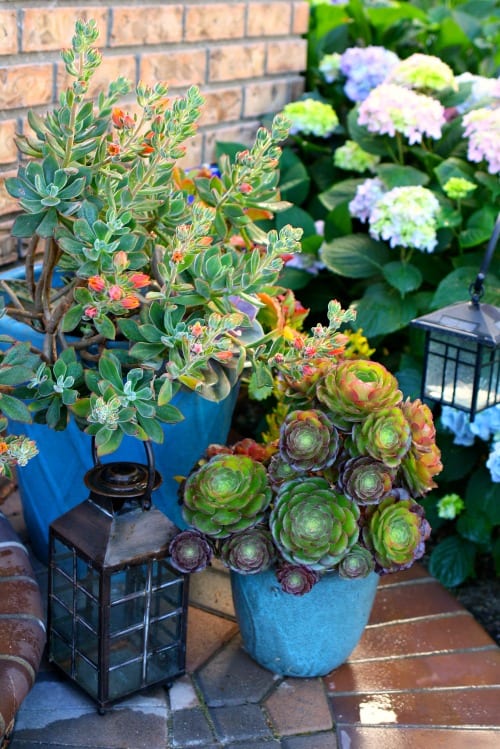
476, 289
146, 498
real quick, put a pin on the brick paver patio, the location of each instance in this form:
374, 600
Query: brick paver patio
424, 676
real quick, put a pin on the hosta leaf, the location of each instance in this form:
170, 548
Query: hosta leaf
455, 288
339, 193
394, 175
452, 561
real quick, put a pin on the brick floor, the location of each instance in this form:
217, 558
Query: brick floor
425, 675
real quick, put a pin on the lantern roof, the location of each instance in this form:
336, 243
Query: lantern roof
478, 322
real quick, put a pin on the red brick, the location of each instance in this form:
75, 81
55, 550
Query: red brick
177, 68
215, 21
222, 105
235, 62
8, 32
269, 19
265, 97
299, 706
7, 204
146, 24
287, 56
25, 86
112, 67
396, 737
300, 18
52, 28
8, 149
243, 133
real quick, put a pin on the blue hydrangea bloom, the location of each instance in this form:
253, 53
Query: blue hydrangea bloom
486, 423
493, 462
458, 422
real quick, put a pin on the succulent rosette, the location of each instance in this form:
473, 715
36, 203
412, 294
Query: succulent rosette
313, 525
296, 579
356, 388
279, 471
419, 416
365, 480
228, 494
358, 562
396, 531
308, 440
190, 551
385, 435
248, 552
418, 468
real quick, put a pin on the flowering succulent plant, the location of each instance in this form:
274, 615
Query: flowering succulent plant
338, 488
140, 277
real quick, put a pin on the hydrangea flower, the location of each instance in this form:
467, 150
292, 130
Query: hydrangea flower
493, 462
367, 195
365, 68
482, 128
406, 216
391, 109
329, 67
352, 157
423, 72
485, 425
484, 92
459, 423
311, 117
458, 188
450, 506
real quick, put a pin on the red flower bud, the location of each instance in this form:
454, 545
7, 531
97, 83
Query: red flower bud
139, 280
97, 283
130, 302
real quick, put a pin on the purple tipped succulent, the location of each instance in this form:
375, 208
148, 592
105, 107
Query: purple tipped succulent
248, 552
365, 480
190, 551
358, 562
296, 579
308, 440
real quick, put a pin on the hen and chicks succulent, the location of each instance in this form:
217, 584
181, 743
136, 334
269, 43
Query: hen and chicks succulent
337, 490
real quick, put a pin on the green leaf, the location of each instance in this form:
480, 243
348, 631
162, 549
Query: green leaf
474, 527
105, 327
339, 193
294, 181
452, 561
109, 369
394, 175
27, 224
15, 375
72, 318
458, 460
169, 413
483, 495
454, 167
355, 256
410, 382
382, 310
402, 276
14, 409
455, 288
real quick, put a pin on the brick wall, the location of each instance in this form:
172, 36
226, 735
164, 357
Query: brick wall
246, 55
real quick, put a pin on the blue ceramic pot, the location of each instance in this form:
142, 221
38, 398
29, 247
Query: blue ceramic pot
52, 482
303, 636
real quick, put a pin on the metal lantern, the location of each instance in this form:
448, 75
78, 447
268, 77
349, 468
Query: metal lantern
117, 609
462, 349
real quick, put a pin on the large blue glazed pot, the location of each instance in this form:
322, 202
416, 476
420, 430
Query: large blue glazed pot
302, 636
52, 482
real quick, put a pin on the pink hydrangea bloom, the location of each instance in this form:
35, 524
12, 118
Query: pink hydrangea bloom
391, 109
482, 128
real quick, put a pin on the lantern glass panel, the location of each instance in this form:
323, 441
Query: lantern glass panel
60, 652
87, 675
461, 373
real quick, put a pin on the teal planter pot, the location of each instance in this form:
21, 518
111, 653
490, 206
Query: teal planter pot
302, 636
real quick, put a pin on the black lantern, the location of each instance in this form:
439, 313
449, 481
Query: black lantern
462, 349
117, 610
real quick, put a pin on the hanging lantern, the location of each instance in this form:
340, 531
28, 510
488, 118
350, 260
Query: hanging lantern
462, 349
117, 609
